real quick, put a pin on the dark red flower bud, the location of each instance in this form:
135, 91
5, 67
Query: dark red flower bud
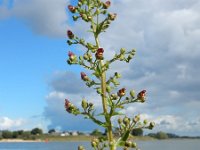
71, 55
70, 34
106, 4
72, 8
68, 105
99, 53
141, 95
121, 92
84, 77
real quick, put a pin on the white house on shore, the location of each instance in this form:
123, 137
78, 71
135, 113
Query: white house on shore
65, 134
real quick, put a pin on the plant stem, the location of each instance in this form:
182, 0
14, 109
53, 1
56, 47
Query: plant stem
104, 103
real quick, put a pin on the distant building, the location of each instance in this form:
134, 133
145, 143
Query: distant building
65, 134
74, 133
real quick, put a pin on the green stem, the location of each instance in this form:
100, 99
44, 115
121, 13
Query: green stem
103, 88
104, 103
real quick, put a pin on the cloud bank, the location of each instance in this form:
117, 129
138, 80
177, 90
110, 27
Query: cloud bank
8, 123
166, 35
46, 17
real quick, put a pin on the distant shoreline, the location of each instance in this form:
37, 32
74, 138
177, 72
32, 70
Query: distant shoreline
79, 138
19, 141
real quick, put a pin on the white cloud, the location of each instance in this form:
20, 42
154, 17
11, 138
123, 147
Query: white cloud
46, 17
168, 123
8, 123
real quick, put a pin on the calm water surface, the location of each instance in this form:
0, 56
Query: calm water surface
144, 145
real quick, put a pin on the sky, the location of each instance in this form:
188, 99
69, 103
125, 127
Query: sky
35, 78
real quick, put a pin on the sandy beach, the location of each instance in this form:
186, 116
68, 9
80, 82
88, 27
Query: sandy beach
19, 140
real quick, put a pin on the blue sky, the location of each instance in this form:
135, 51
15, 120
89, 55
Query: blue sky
35, 78
27, 60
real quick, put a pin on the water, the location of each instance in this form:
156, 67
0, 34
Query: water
143, 145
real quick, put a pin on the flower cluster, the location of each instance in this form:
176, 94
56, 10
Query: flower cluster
99, 143
126, 125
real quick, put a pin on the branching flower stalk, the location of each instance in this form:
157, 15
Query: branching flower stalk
95, 12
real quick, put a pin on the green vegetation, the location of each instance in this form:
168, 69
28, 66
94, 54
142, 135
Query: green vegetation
51, 131
96, 132
36, 131
137, 132
26, 135
53, 135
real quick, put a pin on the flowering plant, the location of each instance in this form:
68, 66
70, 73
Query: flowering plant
92, 12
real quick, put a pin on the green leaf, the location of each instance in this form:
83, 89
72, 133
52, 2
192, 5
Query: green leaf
121, 141
117, 113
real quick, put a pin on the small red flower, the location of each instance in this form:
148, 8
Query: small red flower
70, 34
99, 53
141, 95
72, 8
106, 4
121, 92
84, 77
71, 55
68, 105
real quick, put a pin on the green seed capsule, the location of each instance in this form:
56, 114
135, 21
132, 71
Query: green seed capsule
120, 120
136, 118
125, 148
151, 125
126, 121
114, 96
121, 58
108, 89
85, 56
133, 145
93, 144
84, 104
122, 50
132, 93
81, 148
145, 121
117, 75
128, 144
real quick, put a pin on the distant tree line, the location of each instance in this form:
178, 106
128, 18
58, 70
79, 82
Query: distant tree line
36, 132
26, 135
162, 135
